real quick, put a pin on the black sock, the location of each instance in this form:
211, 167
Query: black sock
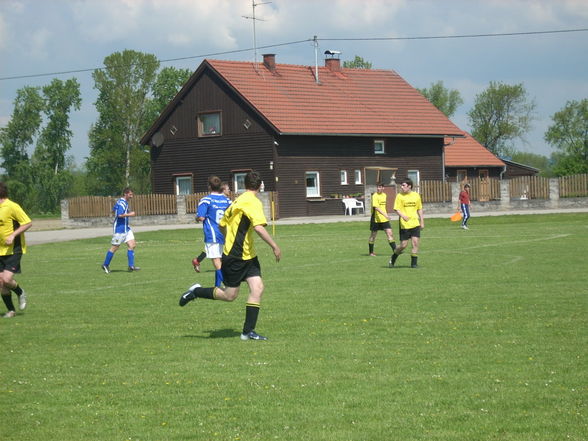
8, 302
371, 247
413, 260
394, 257
201, 256
204, 293
392, 245
17, 290
251, 313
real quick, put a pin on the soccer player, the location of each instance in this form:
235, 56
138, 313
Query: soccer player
464, 205
210, 211
226, 191
122, 232
13, 223
380, 219
409, 207
239, 262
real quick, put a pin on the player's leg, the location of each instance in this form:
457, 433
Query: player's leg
131, 244
371, 241
390, 238
117, 239
414, 254
252, 308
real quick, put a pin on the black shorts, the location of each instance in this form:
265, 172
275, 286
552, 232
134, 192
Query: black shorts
411, 232
10, 263
378, 226
236, 271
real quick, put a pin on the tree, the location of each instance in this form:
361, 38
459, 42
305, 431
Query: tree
501, 114
124, 85
447, 101
357, 63
569, 134
169, 81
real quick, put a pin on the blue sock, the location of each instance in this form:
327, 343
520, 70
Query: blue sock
218, 278
108, 258
131, 257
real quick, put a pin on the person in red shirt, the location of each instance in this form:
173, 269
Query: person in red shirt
464, 206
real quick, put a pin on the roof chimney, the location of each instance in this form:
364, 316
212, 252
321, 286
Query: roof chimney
269, 61
332, 61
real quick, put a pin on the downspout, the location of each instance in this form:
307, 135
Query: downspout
502, 172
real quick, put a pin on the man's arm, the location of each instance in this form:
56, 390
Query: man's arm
261, 231
10, 238
421, 218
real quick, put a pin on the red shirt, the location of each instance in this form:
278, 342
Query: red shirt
464, 197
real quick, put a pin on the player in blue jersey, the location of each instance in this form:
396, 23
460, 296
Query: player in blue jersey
210, 211
121, 232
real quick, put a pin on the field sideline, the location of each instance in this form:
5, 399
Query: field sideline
487, 340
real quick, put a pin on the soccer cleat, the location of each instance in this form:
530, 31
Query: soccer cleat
252, 335
22, 301
9, 314
372, 254
105, 268
414, 266
465, 227
188, 296
196, 264
134, 268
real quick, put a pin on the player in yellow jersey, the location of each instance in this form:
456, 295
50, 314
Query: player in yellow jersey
409, 207
239, 262
380, 219
13, 223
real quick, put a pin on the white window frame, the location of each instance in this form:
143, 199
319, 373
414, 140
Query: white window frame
239, 182
343, 174
315, 191
217, 131
357, 175
179, 186
379, 147
415, 177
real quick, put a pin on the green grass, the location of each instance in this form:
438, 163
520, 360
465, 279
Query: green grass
486, 341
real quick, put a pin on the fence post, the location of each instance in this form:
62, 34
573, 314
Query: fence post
64, 212
554, 192
455, 190
505, 194
181, 205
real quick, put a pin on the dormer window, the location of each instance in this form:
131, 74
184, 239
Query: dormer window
209, 124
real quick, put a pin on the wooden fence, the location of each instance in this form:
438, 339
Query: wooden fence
435, 191
573, 186
529, 187
101, 206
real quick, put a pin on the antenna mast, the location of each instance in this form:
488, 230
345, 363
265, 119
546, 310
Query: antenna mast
254, 19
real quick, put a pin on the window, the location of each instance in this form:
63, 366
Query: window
357, 174
415, 177
343, 177
183, 185
209, 124
462, 176
379, 147
312, 185
239, 182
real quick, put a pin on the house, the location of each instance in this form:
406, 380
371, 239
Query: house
315, 134
466, 159
515, 169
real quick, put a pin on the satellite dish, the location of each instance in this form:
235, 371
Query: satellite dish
157, 139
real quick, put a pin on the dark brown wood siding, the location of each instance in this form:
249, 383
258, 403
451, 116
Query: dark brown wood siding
473, 172
328, 155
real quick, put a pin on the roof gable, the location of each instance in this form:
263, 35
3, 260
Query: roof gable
467, 152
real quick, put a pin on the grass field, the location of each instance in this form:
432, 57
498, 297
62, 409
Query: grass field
487, 340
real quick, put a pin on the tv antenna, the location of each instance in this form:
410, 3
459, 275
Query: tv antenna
254, 19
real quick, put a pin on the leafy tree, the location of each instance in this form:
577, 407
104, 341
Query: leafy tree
168, 83
447, 101
357, 63
569, 134
116, 157
501, 114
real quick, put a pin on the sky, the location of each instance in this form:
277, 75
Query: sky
47, 36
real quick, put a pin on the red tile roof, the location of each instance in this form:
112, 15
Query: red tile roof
467, 152
352, 101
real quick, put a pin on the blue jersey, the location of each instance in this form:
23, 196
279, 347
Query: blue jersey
212, 208
121, 224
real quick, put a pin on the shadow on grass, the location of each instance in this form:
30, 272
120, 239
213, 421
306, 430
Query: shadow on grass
219, 333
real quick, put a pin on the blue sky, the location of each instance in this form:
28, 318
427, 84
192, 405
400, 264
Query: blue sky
44, 36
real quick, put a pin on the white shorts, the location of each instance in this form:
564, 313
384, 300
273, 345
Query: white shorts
213, 250
120, 238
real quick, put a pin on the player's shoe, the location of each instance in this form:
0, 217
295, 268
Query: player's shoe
414, 266
134, 268
105, 268
196, 264
252, 335
465, 227
372, 254
22, 301
9, 314
188, 296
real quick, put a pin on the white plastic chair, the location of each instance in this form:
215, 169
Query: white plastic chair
352, 204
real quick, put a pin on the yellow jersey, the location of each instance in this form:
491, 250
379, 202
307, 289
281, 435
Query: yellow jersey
409, 204
245, 213
379, 201
12, 216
